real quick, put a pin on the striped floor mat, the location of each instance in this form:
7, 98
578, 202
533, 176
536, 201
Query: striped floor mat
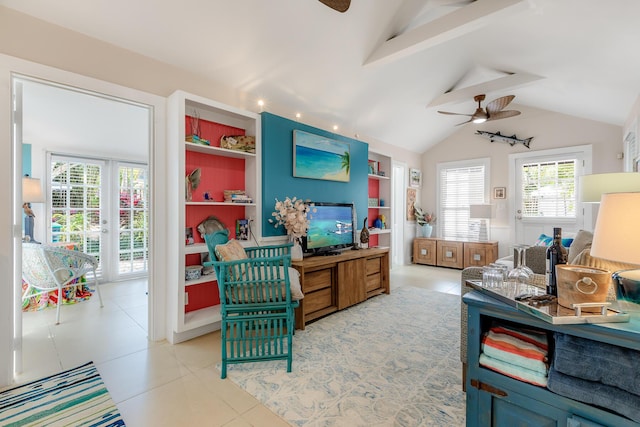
77, 397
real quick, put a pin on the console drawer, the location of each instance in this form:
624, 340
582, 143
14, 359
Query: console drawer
317, 300
317, 280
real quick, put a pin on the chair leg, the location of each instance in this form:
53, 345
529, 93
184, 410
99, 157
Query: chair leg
95, 282
59, 304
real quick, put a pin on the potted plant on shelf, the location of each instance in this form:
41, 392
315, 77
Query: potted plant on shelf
292, 213
425, 221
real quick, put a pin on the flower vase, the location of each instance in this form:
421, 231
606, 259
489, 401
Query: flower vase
427, 229
296, 251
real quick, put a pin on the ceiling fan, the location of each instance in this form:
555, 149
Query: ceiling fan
339, 5
493, 110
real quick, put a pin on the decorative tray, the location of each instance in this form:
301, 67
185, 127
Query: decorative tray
534, 301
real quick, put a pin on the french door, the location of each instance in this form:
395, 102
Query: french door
100, 206
546, 191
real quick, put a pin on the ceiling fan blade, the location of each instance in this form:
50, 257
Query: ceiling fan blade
498, 104
454, 114
503, 114
339, 5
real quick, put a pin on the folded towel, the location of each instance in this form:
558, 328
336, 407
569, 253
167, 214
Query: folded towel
595, 393
532, 336
517, 348
598, 361
513, 371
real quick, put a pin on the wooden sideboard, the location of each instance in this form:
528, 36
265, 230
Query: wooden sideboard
453, 253
334, 282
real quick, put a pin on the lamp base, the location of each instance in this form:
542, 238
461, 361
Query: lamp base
627, 283
28, 229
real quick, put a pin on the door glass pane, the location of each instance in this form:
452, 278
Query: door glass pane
134, 220
76, 205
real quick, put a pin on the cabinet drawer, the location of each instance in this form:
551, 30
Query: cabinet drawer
374, 281
317, 280
317, 300
450, 254
374, 266
424, 251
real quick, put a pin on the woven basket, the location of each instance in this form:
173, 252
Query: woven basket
578, 284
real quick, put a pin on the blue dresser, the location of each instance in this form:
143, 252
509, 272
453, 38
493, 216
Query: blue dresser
494, 399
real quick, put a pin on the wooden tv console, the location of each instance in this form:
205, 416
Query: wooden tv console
334, 282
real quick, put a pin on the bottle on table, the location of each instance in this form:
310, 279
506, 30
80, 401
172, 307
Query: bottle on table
556, 254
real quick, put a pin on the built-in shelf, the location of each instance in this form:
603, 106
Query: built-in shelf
217, 151
379, 207
203, 279
202, 317
379, 231
372, 176
218, 204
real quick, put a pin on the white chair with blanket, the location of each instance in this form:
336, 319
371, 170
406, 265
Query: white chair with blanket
49, 268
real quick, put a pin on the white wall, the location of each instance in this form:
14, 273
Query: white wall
548, 129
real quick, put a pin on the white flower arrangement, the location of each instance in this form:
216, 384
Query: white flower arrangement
292, 213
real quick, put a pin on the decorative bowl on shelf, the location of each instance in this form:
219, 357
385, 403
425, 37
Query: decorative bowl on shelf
192, 272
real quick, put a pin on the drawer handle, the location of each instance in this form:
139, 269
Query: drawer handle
488, 388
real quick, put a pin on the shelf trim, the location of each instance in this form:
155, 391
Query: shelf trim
372, 176
217, 151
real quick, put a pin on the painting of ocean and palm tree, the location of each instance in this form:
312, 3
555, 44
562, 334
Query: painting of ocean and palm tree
318, 157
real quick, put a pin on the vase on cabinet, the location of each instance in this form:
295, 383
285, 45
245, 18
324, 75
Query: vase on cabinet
296, 250
425, 230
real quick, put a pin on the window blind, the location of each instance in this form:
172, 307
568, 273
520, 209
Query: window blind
548, 189
460, 187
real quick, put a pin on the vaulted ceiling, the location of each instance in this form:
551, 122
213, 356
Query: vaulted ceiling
384, 67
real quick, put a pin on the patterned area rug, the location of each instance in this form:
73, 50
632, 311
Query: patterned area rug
77, 397
392, 360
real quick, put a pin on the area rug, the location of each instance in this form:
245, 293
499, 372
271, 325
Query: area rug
392, 360
77, 397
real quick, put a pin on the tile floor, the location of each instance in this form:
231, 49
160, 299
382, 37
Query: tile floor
156, 383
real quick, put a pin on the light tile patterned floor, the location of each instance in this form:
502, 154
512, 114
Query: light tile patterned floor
155, 383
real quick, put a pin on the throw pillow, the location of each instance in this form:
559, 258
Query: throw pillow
294, 284
230, 251
544, 240
580, 243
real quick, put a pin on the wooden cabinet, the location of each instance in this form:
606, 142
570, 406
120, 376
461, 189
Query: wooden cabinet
193, 305
453, 253
334, 282
494, 399
480, 253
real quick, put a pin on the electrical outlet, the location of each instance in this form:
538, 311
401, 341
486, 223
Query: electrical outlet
186, 298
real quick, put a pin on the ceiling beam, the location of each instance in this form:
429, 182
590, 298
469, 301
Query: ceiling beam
455, 24
467, 93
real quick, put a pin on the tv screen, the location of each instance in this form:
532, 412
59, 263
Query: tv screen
330, 227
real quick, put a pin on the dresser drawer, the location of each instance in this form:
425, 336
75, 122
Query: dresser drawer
317, 300
316, 280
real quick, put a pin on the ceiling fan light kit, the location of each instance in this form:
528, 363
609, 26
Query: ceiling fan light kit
493, 111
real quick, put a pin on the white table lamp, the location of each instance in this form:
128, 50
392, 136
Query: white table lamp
31, 193
616, 238
481, 212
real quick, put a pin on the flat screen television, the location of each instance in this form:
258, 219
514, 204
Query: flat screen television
331, 228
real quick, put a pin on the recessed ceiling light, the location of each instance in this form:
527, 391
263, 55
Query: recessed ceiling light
298, 115
335, 127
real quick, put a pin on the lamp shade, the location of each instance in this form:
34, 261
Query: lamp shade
480, 211
617, 233
32, 190
592, 187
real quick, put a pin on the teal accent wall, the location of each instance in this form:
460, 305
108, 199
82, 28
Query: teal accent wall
277, 172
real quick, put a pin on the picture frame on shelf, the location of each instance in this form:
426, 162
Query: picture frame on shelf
373, 167
499, 192
415, 177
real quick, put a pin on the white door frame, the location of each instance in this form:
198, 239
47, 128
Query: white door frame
11, 213
398, 204
586, 151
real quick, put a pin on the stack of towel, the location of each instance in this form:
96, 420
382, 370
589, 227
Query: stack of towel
597, 373
516, 352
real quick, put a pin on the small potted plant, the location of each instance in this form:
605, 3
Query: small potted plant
425, 221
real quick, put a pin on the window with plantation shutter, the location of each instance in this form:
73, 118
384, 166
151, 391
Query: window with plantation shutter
461, 184
548, 189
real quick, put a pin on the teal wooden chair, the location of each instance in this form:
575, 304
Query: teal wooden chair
256, 306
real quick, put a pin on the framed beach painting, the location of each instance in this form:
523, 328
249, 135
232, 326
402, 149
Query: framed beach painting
318, 157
